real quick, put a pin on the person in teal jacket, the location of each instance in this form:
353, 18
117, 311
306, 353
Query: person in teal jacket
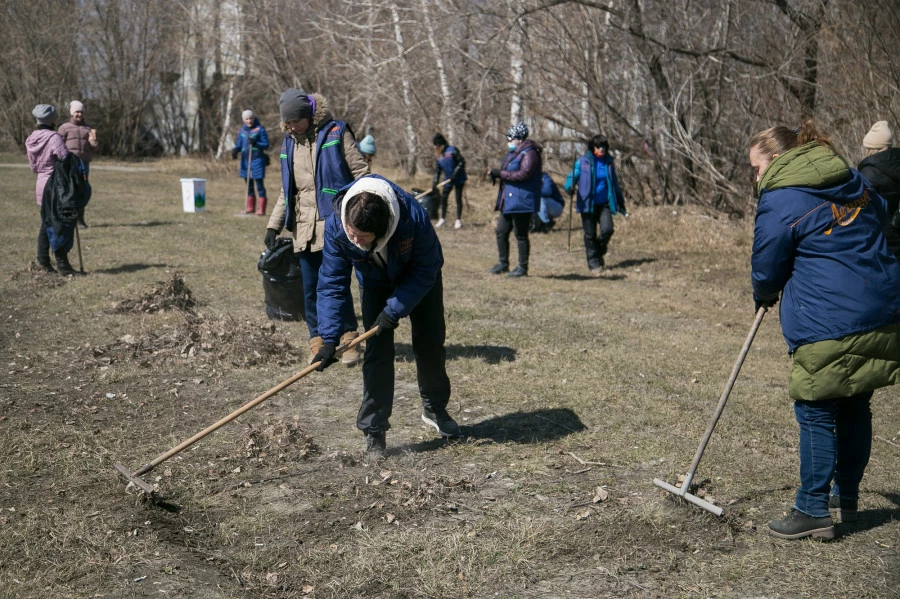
598, 197
819, 242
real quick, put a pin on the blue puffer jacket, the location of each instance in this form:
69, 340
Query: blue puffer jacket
550, 190
451, 165
826, 250
585, 173
252, 141
413, 261
520, 180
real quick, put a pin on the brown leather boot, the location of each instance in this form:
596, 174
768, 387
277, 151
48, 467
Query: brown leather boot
315, 344
352, 356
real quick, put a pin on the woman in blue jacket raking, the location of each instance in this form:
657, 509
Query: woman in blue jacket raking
251, 144
383, 232
819, 241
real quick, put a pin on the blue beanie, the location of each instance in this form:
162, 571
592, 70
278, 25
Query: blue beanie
367, 145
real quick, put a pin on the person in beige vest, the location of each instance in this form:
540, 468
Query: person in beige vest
319, 156
81, 139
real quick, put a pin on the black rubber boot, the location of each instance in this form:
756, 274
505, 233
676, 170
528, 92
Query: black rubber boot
62, 264
43, 251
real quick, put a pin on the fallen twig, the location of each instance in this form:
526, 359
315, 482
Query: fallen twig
888, 441
586, 463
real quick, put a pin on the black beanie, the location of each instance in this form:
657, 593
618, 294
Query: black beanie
439, 140
294, 104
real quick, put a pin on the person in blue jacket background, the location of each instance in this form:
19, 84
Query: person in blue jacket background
251, 143
451, 167
598, 198
819, 241
518, 198
383, 232
552, 205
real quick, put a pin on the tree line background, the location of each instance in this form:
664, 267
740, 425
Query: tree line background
678, 86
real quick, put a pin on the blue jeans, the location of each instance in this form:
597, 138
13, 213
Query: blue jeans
835, 442
550, 208
260, 188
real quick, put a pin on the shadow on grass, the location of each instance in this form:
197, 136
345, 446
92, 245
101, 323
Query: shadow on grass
577, 277
127, 268
492, 354
634, 262
869, 519
534, 427
143, 223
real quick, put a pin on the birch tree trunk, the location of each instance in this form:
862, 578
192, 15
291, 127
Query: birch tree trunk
407, 92
447, 113
516, 46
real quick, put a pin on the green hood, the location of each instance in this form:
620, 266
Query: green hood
810, 165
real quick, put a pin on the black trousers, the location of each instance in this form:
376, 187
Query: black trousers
43, 245
428, 335
518, 223
445, 195
595, 246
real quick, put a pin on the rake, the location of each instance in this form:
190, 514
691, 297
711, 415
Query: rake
135, 477
689, 477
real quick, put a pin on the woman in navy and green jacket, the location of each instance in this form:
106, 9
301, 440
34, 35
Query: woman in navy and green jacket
819, 241
598, 197
518, 198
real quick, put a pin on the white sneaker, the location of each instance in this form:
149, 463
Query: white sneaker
457, 224
440, 223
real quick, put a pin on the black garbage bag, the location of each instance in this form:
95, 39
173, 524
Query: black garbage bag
282, 282
428, 202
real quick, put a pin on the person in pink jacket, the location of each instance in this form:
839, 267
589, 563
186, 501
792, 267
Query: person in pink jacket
44, 147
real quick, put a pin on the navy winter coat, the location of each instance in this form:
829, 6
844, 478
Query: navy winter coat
584, 177
520, 180
251, 142
825, 249
451, 165
414, 260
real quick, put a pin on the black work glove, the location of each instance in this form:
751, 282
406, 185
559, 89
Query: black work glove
271, 236
758, 303
434, 191
385, 323
494, 175
325, 356
234, 153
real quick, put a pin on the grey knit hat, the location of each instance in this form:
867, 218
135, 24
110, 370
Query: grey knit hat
45, 114
294, 104
518, 131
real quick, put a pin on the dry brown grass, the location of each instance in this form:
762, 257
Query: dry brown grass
620, 372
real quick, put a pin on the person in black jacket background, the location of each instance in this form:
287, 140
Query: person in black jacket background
881, 167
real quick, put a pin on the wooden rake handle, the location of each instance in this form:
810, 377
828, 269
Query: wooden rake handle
249, 405
425, 193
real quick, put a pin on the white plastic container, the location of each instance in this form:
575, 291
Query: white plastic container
193, 194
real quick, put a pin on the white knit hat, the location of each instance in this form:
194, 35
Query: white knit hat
75, 106
247, 114
879, 136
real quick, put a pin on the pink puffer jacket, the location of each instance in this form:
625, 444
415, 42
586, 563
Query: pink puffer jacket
44, 148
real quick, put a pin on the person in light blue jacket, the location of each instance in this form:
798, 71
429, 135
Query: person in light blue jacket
599, 197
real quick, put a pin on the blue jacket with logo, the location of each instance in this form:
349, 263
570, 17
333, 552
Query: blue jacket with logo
825, 250
332, 171
250, 143
414, 260
520, 180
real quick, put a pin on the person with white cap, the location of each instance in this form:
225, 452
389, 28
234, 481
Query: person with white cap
251, 144
44, 147
881, 167
382, 231
318, 157
81, 139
